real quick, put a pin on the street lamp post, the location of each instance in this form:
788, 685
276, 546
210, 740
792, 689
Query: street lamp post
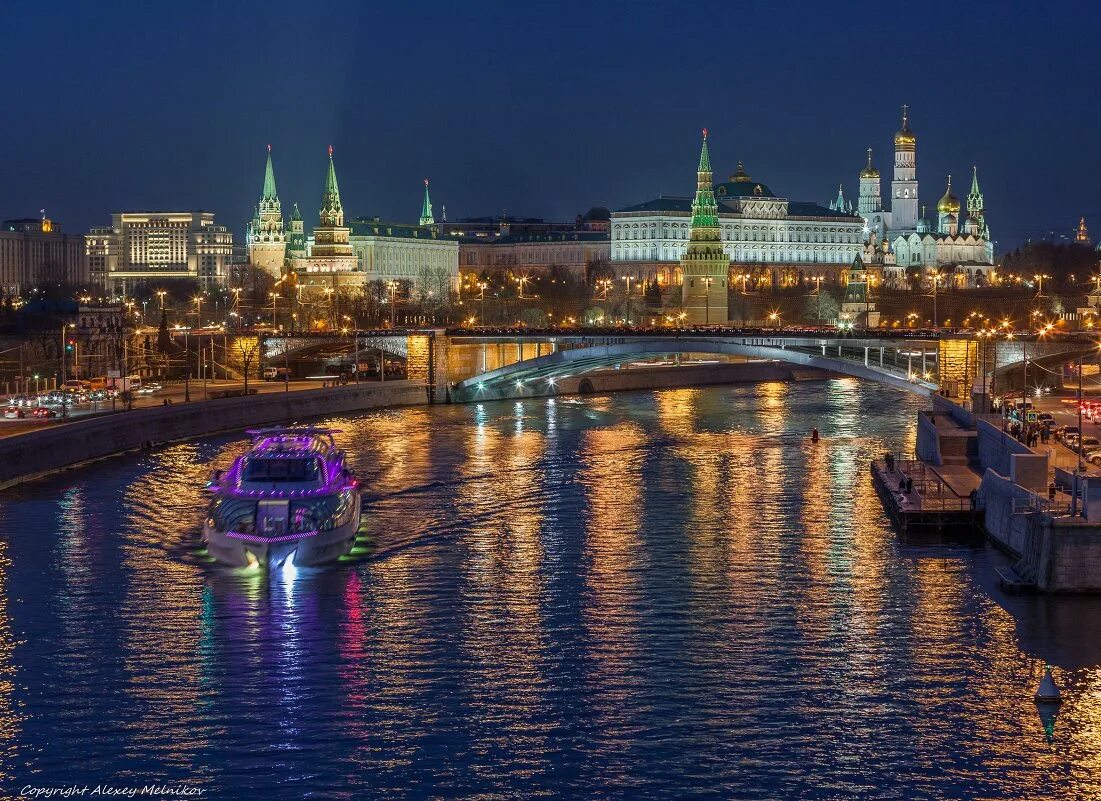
64, 345
482, 297
936, 282
707, 282
187, 367
628, 278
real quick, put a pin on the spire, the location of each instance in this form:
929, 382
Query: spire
705, 211
705, 157
296, 214
426, 209
974, 180
269, 181
332, 212
839, 203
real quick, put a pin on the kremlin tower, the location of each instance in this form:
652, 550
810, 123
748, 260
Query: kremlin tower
705, 265
266, 240
331, 257
426, 209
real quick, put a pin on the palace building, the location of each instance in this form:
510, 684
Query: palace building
775, 239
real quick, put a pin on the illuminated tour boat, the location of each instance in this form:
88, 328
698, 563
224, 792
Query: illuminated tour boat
291, 500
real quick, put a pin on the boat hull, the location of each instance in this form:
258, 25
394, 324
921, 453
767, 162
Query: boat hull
304, 550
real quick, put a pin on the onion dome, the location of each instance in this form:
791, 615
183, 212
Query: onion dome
904, 137
948, 203
869, 171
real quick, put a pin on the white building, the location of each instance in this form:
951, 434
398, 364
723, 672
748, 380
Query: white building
759, 230
954, 245
144, 246
536, 252
417, 257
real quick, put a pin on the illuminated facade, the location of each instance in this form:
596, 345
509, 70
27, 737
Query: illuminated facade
418, 257
960, 246
759, 230
266, 240
144, 246
535, 253
963, 249
34, 251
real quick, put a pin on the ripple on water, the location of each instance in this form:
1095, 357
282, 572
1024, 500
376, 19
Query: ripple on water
668, 594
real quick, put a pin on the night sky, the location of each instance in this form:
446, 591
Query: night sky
541, 109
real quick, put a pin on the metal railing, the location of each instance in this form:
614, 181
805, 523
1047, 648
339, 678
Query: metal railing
926, 490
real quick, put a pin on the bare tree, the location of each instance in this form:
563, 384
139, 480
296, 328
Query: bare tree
246, 350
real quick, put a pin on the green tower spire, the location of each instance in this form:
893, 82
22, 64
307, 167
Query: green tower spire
705, 211
269, 181
705, 264
426, 209
332, 212
296, 215
974, 197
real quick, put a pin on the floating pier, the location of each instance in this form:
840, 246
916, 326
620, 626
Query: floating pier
919, 497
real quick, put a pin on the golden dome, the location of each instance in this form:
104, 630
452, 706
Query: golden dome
740, 176
869, 171
948, 203
904, 136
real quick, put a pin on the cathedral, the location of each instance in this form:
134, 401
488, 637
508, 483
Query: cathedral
901, 239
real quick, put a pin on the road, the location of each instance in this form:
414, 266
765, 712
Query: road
173, 393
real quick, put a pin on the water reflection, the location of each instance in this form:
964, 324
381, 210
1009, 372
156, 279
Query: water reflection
656, 594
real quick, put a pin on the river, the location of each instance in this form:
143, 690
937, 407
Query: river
666, 594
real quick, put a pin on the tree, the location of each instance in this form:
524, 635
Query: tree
821, 305
246, 350
164, 339
534, 318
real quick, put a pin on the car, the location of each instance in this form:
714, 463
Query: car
1094, 457
1066, 432
44, 412
1088, 443
14, 413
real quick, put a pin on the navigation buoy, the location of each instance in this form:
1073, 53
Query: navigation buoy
1048, 692
814, 435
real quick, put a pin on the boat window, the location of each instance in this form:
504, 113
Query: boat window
281, 469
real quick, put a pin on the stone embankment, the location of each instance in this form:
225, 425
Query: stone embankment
37, 453
1048, 519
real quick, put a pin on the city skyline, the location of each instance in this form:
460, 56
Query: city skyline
537, 140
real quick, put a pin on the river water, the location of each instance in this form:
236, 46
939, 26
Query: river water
648, 595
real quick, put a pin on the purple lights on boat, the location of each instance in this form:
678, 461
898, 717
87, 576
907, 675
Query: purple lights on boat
239, 535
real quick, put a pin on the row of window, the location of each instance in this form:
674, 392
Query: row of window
833, 255
737, 233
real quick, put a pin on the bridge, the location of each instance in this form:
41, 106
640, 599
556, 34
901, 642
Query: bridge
466, 364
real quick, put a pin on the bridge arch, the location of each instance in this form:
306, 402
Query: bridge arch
537, 376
